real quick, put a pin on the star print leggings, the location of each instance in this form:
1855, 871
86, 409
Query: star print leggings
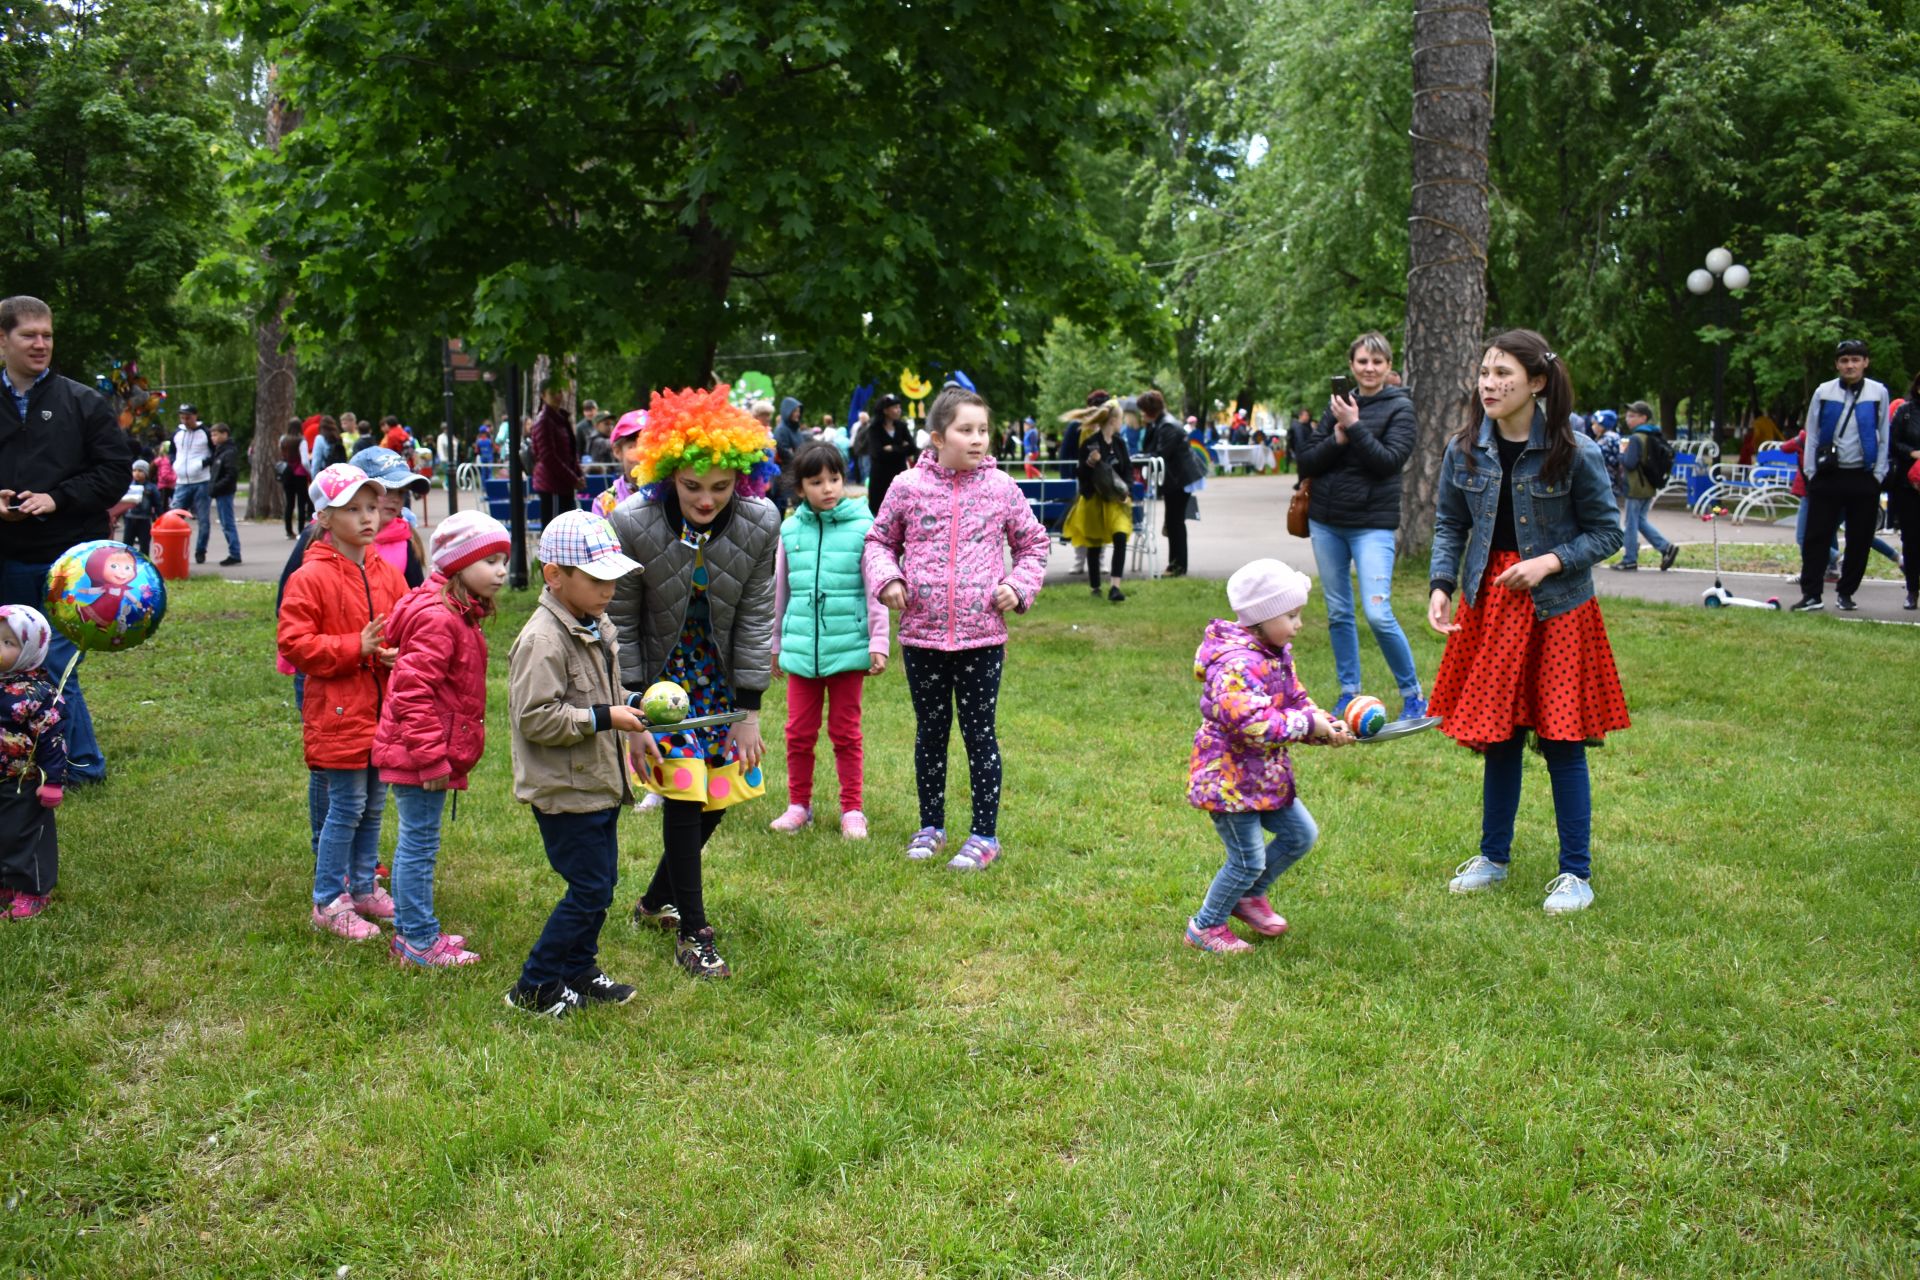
940, 681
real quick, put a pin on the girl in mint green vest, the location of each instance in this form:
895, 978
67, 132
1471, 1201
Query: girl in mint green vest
832, 633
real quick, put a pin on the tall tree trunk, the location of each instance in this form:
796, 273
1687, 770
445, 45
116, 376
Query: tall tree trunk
275, 366
1446, 237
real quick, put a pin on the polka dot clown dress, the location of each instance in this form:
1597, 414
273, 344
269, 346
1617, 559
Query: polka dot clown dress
1506, 670
698, 764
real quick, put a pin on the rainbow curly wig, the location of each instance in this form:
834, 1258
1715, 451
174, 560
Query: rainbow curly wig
700, 429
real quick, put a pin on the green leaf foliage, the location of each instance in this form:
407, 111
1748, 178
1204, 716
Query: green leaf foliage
110, 141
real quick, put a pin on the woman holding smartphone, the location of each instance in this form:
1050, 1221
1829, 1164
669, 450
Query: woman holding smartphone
1354, 456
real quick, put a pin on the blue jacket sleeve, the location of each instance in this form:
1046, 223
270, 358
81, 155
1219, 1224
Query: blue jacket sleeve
1595, 511
1452, 522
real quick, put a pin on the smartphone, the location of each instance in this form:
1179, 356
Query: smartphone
1342, 386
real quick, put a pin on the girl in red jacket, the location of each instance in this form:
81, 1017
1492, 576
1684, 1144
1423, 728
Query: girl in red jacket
433, 726
331, 623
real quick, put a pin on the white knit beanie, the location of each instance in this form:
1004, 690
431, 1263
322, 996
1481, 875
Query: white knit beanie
1265, 589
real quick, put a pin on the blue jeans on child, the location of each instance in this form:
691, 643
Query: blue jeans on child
582, 848
1636, 523
1572, 800
1253, 863
1369, 552
413, 860
350, 838
224, 506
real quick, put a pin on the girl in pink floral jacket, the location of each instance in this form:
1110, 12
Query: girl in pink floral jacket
1251, 706
938, 553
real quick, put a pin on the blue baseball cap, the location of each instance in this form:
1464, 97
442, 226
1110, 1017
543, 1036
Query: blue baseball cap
1606, 418
389, 468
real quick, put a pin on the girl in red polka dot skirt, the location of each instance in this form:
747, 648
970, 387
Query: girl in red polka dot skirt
1525, 512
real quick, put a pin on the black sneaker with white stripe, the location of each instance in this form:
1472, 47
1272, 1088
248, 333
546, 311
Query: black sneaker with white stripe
600, 989
1808, 604
548, 1000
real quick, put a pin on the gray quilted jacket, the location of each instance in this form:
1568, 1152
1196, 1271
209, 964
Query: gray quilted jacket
650, 606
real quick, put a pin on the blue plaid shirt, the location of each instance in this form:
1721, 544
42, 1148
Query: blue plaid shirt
20, 397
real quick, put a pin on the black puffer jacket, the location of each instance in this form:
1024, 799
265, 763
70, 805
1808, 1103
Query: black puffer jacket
1358, 484
1906, 446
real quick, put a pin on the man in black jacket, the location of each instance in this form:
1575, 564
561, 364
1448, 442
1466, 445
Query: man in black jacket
1168, 439
222, 484
64, 461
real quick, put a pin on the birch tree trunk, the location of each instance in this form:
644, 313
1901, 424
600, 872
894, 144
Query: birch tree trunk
275, 368
1447, 238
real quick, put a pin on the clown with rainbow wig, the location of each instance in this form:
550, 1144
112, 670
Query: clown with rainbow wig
699, 613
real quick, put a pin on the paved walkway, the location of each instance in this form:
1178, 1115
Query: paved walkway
1245, 516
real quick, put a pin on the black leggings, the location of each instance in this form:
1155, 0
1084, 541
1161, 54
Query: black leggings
688, 827
1903, 504
299, 512
1119, 561
938, 681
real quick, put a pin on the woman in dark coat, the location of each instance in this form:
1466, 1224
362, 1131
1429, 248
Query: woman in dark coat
1354, 457
889, 449
1168, 439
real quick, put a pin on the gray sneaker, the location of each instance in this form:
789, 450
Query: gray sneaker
1476, 873
1567, 892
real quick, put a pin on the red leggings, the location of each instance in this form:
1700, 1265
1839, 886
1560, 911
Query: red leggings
841, 696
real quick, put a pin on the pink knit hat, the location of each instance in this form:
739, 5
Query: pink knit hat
464, 538
1262, 590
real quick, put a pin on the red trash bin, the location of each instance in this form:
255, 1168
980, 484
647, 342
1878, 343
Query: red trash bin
170, 534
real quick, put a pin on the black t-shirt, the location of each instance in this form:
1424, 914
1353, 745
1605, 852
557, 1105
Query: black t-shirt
1504, 538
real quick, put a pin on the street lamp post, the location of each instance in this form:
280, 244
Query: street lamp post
1720, 269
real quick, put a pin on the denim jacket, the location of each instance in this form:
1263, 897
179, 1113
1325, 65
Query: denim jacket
1574, 518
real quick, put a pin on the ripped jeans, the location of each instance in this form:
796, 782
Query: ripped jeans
1339, 549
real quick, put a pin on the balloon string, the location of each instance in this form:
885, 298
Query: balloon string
72, 662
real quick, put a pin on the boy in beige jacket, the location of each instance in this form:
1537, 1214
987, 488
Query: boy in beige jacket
569, 714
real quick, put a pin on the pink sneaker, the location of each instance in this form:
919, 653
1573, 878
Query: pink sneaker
1259, 913
377, 905
25, 906
790, 822
445, 953
1218, 938
853, 825
338, 918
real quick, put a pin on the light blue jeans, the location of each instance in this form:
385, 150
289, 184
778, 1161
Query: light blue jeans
350, 839
194, 498
1337, 549
1253, 863
1636, 523
413, 859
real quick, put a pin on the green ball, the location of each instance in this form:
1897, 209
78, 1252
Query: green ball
664, 702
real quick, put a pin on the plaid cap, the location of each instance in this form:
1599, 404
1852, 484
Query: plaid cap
389, 468
586, 542
338, 483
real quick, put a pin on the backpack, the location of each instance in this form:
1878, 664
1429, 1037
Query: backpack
1656, 458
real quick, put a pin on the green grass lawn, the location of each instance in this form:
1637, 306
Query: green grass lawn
1711, 1073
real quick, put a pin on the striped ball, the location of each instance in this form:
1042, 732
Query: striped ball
1366, 716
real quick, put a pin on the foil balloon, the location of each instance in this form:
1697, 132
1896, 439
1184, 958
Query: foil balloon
105, 596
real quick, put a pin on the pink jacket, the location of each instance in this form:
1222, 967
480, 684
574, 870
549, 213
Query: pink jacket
1251, 706
946, 534
434, 723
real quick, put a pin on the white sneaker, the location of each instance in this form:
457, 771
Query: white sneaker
1476, 873
1567, 892
652, 800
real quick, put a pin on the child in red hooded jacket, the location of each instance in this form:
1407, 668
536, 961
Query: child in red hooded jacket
332, 622
433, 726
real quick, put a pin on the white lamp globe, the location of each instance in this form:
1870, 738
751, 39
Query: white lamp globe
1737, 277
1699, 280
1718, 260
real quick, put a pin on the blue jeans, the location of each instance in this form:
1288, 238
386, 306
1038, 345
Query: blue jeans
581, 847
224, 505
1253, 864
350, 838
1636, 523
1337, 547
27, 584
1572, 801
413, 860
193, 497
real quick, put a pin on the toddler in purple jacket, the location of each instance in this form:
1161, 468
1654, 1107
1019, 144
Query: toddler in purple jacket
938, 552
1251, 706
